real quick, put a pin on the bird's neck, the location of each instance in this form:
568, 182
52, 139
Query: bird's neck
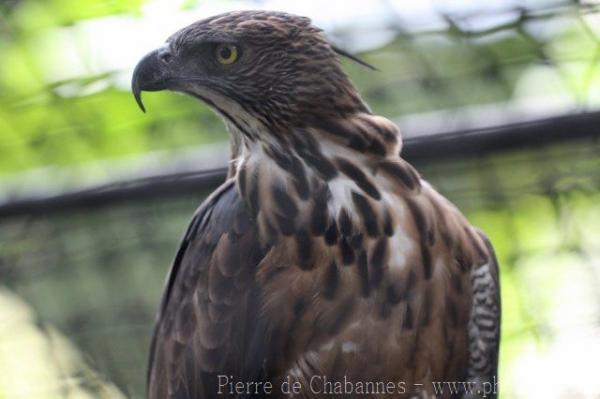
285, 174
361, 136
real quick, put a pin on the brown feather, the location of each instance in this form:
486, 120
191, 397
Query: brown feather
324, 251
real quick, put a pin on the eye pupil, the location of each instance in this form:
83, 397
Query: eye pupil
226, 53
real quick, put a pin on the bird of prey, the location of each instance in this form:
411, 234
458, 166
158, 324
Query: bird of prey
324, 264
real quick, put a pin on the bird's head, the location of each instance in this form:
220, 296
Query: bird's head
253, 67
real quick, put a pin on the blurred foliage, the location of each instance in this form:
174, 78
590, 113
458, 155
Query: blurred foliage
49, 365
550, 52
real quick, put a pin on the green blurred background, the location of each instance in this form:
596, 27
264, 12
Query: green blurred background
79, 286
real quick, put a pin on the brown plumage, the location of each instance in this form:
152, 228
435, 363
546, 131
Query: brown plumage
324, 256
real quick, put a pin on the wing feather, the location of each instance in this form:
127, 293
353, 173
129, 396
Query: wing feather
484, 324
207, 292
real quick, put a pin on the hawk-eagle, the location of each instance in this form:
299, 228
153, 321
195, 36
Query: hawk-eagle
324, 257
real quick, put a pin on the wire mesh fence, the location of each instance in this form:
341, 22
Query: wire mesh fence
80, 277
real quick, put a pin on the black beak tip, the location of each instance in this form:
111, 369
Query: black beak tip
137, 93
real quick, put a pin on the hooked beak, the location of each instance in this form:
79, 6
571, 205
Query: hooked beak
150, 74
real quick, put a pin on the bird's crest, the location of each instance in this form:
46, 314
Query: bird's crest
352, 57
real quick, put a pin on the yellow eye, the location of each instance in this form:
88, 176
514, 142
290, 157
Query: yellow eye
227, 53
